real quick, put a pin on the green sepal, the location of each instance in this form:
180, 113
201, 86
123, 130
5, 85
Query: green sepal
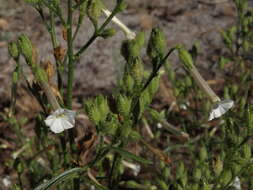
109, 32
156, 45
26, 48
13, 50
185, 58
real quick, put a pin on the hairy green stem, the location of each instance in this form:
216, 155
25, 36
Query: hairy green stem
55, 45
95, 35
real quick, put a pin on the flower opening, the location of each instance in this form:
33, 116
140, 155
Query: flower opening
60, 120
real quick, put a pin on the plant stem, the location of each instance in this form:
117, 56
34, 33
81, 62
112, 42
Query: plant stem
95, 35
70, 56
55, 45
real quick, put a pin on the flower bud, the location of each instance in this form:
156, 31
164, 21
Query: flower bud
15, 77
185, 57
133, 185
217, 166
180, 170
121, 5
247, 151
154, 85
197, 174
162, 184
140, 39
19, 166
128, 83
203, 154
124, 105
137, 70
94, 8
109, 32
41, 75
156, 44
26, 48
13, 50
130, 50
225, 177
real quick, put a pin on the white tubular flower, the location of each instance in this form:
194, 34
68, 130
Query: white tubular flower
220, 108
130, 35
135, 167
236, 183
60, 120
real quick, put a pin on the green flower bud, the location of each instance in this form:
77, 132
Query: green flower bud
184, 179
207, 186
110, 125
94, 8
171, 75
236, 168
41, 75
130, 50
128, 83
250, 118
19, 166
137, 70
197, 174
180, 170
163, 185
247, 151
134, 135
188, 81
92, 111
226, 38
246, 45
234, 89
154, 85
140, 39
226, 93
194, 186
102, 105
13, 50
133, 185
166, 172
222, 62
26, 48
121, 5
156, 44
109, 32
203, 154
218, 166
225, 177
185, 58
124, 105
15, 77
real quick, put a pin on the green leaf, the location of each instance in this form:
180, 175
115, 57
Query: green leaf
69, 174
132, 156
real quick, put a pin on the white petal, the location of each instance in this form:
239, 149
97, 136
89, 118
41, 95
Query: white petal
236, 183
61, 119
227, 104
66, 124
57, 126
70, 116
220, 108
50, 120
